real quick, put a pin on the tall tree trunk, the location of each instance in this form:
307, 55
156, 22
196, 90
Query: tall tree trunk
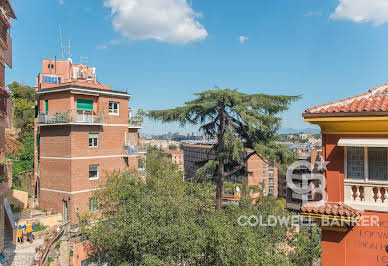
221, 163
220, 184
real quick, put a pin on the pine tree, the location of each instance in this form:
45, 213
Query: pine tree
242, 124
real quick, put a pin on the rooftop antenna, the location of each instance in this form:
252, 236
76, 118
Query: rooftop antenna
60, 35
64, 49
83, 60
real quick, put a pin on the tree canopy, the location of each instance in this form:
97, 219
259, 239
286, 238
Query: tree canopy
242, 124
23, 102
166, 221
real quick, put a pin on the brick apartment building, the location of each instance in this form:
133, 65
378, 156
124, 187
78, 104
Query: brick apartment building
259, 171
293, 199
6, 14
176, 157
82, 131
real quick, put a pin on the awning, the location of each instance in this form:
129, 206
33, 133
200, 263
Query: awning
365, 142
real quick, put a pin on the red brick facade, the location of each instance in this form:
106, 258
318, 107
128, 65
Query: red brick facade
69, 168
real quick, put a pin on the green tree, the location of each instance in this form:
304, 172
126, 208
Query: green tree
172, 147
238, 122
166, 221
23, 102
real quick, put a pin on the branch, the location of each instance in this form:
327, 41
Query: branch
242, 163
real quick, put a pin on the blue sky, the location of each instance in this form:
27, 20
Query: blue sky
163, 51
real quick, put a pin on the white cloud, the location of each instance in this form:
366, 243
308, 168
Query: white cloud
313, 13
101, 47
61, 2
375, 11
243, 39
172, 21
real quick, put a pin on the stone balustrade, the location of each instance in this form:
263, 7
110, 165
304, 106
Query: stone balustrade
366, 195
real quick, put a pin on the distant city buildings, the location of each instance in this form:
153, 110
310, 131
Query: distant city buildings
83, 130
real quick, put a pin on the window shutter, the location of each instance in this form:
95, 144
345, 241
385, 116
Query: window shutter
84, 105
93, 135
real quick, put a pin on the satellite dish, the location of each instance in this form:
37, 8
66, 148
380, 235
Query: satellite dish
237, 189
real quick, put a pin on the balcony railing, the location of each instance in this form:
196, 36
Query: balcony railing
366, 195
130, 149
70, 117
135, 121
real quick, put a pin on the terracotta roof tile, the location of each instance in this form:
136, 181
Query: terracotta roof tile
4, 90
375, 100
337, 209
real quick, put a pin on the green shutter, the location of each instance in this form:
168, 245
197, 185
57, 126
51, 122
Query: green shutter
46, 102
85, 105
93, 135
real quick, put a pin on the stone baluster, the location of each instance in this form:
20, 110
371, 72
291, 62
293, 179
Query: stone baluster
358, 194
379, 196
386, 195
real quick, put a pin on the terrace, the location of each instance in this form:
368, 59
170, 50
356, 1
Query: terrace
70, 117
366, 173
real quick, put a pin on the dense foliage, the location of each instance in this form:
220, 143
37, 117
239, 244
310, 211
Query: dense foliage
242, 124
166, 221
23, 102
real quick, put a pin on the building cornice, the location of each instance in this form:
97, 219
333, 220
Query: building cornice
85, 90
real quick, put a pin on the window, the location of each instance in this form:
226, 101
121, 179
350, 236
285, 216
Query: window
84, 105
93, 140
94, 171
93, 204
50, 66
114, 108
377, 163
46, 106
264, 172
355, 162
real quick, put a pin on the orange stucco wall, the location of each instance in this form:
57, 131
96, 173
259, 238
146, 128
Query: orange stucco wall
362, 245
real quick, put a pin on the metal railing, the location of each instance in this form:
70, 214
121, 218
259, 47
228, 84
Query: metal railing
130, 149
135, 121
70, 117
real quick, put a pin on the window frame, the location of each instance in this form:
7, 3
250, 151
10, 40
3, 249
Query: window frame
93, 204
366, 178
94, 146
113, 110
98, 172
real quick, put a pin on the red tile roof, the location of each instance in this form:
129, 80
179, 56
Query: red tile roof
375, 100
330, 208
4, 90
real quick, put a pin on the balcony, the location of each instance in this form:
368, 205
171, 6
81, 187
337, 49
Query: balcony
366, 195
130, 149
135, 122
73, 117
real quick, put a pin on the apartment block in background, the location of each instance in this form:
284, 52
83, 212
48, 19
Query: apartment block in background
176, 157
309, 166
82, 132
260, 172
